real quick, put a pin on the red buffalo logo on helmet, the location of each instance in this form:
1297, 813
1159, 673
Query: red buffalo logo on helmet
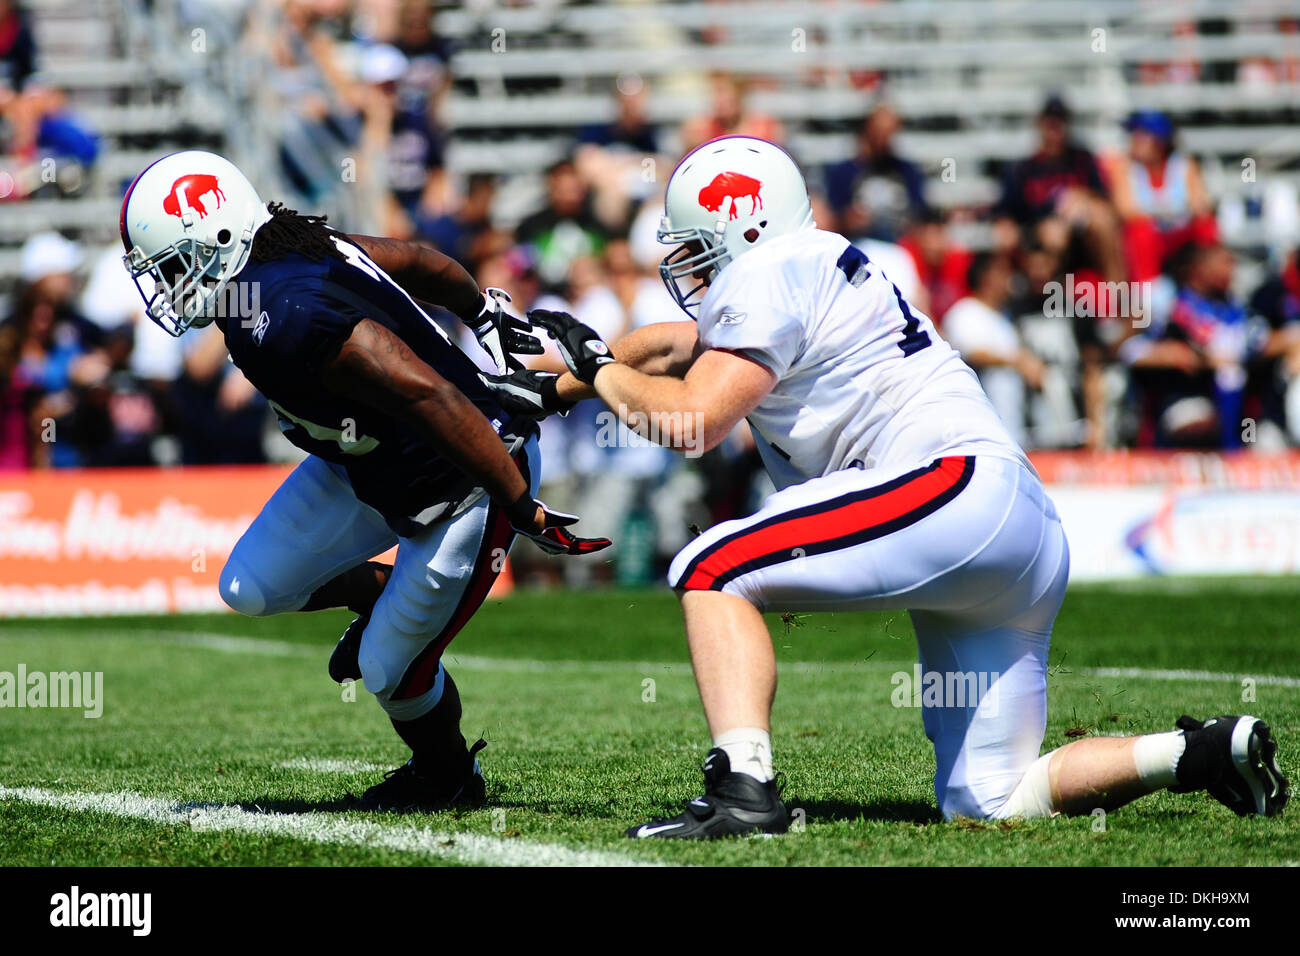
193, 187
731, 186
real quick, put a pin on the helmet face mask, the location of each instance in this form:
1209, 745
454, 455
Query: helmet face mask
187, 225
688, 269
725, 198
183, 295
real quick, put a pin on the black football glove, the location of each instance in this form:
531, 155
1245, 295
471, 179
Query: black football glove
584, 351
553, 538
527, 392
501, 334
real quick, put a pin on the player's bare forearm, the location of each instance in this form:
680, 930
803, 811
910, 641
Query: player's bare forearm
667, 402
664, 348
375, 367
426, 274
694, 413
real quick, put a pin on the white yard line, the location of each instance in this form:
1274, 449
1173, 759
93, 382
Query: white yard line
331, 766
229, 643
1269, 680
471, 848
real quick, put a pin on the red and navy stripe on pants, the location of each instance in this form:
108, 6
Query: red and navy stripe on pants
831, 525
497, 535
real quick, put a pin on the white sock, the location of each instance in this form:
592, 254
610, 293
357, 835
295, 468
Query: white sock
749, 750
1032, 797
1157, 756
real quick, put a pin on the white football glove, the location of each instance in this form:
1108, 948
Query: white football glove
502, 335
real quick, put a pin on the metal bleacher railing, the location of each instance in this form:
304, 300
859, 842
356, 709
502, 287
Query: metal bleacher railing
114, 72
967, 77
147, 83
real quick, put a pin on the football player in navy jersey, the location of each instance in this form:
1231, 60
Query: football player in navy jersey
405, 445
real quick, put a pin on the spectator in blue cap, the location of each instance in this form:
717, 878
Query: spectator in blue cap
1159, 194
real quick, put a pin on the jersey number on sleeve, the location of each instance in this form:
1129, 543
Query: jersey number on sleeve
857, 269
360, 260
349, 444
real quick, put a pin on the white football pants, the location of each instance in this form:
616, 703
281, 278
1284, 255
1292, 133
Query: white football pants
314, 528
970, 546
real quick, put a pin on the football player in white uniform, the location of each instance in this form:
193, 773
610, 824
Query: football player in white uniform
898, 487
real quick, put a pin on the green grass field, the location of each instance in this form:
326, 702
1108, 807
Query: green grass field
238, 748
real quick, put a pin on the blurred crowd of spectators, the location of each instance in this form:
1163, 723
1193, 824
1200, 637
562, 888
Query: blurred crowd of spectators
46, 150
1104, 314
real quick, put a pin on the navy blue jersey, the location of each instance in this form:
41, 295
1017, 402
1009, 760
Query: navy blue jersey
304, 312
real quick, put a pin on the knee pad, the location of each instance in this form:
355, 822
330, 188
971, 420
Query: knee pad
960, 802
1030, 798
244, 591
240, 589
389, 645
373, 675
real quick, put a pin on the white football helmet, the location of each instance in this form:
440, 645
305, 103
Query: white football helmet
188, 222
728, 196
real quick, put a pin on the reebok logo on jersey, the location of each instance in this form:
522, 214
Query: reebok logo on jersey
260, 327
732, 318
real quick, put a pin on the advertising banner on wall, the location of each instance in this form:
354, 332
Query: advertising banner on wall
123, 541
1130, 514
145, 541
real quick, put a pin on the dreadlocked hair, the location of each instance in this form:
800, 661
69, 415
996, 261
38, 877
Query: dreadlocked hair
288, 231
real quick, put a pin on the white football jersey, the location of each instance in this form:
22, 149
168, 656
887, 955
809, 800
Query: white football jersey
864, 380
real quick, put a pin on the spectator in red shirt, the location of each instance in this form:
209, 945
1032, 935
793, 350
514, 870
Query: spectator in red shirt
940, 264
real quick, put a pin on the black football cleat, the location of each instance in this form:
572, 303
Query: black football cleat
733, 804
1235, 760
344, 664
414, 788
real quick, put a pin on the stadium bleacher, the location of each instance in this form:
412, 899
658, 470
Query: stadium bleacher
968, 80
966, 77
